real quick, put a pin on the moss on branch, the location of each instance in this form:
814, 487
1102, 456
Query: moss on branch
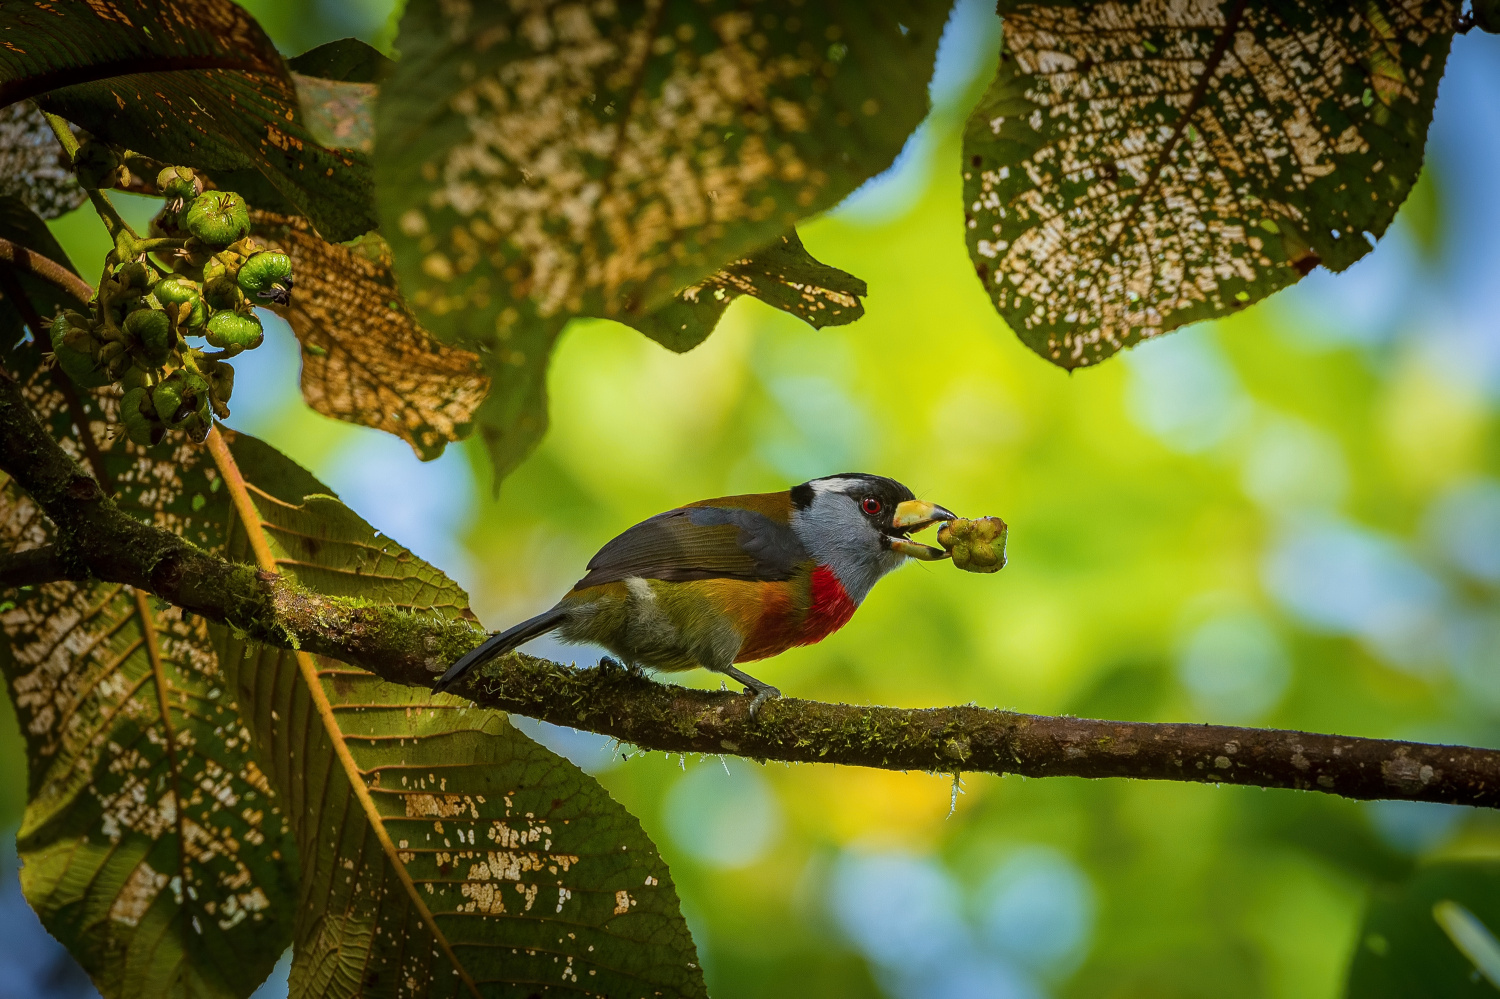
95, 538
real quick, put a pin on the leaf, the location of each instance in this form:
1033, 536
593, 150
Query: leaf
364, 359
541, 162
782, 274
1403, 948
1135, 167
153, 846
32, 167
513, 419
347, 59
195, 82
443, 853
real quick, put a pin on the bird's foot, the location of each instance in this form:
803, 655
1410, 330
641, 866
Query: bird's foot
762, 695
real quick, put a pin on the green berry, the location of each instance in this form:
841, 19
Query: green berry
175, 292
233, 331
222, 293
217, 217
268, 275
141, 425
167, 398
221, 381
96, 165
153, 330
177, 183
70, 345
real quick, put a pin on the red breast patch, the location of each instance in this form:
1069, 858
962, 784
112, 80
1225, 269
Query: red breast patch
831, 607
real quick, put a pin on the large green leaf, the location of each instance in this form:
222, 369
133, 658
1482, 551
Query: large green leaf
1415, 934
1137, 166
184, 81
443, 852
783, 275
153, 846
541, 162
364, 359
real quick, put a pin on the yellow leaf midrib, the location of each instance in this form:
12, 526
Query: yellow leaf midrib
249, 516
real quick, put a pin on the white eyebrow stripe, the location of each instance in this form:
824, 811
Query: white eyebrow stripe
834, 485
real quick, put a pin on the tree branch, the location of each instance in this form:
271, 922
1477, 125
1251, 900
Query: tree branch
37, 565
412, 649
49, 270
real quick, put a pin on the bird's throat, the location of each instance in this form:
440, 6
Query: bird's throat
830, 607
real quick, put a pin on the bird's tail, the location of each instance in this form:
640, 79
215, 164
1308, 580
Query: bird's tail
500, 644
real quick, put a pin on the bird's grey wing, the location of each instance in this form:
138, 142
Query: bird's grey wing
699, 543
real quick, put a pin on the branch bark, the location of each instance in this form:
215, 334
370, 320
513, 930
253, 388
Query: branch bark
96, 537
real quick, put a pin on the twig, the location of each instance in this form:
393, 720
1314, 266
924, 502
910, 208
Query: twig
35, 566
412, 649
48, 270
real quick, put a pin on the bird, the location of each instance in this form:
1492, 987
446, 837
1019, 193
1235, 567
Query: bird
734, 579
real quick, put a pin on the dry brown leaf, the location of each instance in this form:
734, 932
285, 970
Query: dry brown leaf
364, 359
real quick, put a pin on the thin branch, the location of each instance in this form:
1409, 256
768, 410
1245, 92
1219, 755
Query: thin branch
64, 385
47, 269
412, 649
35, 566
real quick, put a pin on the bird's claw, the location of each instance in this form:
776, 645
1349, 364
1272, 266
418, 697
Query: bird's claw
762, 695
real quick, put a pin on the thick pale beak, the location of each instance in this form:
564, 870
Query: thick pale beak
915, 515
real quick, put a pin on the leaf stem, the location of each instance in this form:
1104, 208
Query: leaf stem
113, 223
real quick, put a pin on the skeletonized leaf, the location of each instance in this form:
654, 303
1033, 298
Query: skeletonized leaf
443, 853
537, 162
195, 82
1137, 166
364, 359
782, 274
31, 163
153, 846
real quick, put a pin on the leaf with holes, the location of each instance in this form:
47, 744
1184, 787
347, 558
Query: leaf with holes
537, 162
364, 359
783, 275
195, 82
153, 846
1138, 166
443, 853
32, 166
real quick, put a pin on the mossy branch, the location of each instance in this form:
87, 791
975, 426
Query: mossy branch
96, 538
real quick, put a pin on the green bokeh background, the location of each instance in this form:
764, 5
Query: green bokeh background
1176, 517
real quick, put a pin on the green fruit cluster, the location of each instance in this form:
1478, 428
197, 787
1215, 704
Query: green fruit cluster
205, 281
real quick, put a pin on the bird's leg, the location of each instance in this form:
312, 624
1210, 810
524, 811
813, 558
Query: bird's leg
633, 668
763, 691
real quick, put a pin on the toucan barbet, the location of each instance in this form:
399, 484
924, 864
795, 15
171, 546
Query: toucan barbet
735, 579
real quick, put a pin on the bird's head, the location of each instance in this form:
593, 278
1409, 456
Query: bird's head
860, 526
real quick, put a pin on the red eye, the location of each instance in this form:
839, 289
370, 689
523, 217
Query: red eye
871, 506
